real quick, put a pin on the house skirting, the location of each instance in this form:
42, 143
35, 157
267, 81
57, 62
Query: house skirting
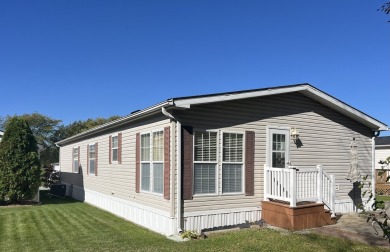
220, 218
151, 218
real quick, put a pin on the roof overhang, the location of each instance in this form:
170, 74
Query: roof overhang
305, 89
187, 102
116, 123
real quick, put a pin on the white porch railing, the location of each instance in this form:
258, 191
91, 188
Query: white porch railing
296, 185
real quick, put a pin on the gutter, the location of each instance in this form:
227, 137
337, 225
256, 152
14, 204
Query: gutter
373, 171
178, 173
117, 123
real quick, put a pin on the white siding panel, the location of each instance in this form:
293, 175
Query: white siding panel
219, 218
152, 218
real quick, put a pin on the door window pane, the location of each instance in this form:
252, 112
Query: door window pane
279, 150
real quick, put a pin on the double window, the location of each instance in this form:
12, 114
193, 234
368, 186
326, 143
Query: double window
206, 162
152, 162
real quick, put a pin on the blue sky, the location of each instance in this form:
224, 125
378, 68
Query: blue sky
74, 60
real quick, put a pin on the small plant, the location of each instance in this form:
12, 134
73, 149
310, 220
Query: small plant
190, 234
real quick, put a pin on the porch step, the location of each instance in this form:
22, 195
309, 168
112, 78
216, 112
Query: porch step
327, 219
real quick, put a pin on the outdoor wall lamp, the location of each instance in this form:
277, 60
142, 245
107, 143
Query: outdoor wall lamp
294, 134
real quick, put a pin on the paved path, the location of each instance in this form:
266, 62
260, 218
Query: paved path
354, 226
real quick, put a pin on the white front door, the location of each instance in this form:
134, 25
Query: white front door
278, 150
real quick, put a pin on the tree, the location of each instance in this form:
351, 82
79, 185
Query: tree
48, 131
19, 162
43, 128
385, 8
78, 127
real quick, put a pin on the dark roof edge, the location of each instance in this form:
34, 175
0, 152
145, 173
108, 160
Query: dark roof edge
116, 123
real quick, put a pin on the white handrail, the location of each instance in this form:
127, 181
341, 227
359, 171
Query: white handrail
296, 185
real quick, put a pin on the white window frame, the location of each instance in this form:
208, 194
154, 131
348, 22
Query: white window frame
151, 162
116, 148
74, 169
217, 169
226, 162
278, 130
89, 159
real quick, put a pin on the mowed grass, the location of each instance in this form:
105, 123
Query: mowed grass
381, 198
68, 225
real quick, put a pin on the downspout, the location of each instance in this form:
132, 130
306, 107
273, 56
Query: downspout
373, 175
179, 205
178, 173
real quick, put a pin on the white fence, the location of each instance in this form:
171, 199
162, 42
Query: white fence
296, 185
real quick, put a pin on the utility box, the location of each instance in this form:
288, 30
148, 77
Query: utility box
58, 190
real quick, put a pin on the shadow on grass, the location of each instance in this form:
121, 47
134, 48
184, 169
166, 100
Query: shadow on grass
347, 243
48, 199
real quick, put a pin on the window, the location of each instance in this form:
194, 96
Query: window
205, 162
232, 162
76, 160
114, 148
92, 158
152, 162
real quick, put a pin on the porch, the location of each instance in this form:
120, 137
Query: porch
298, 199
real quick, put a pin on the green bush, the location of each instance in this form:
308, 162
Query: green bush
190, 234
19, 162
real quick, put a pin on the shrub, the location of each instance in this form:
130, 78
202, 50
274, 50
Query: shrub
19, 162
190, 234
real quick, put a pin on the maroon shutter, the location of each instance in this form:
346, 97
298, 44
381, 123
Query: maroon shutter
119, 148
137, 162
87, 158
187, 162
109, 149
249, 163
167, 162
96, 159
78, 150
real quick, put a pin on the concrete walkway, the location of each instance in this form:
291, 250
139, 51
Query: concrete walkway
354, 226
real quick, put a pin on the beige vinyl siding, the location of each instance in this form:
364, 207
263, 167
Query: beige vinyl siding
66, 164
114, 179
325, 134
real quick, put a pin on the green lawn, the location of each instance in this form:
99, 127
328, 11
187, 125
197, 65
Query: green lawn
68, 225
382, 198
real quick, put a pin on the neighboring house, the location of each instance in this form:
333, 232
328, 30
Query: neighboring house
382, 152
208, 161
